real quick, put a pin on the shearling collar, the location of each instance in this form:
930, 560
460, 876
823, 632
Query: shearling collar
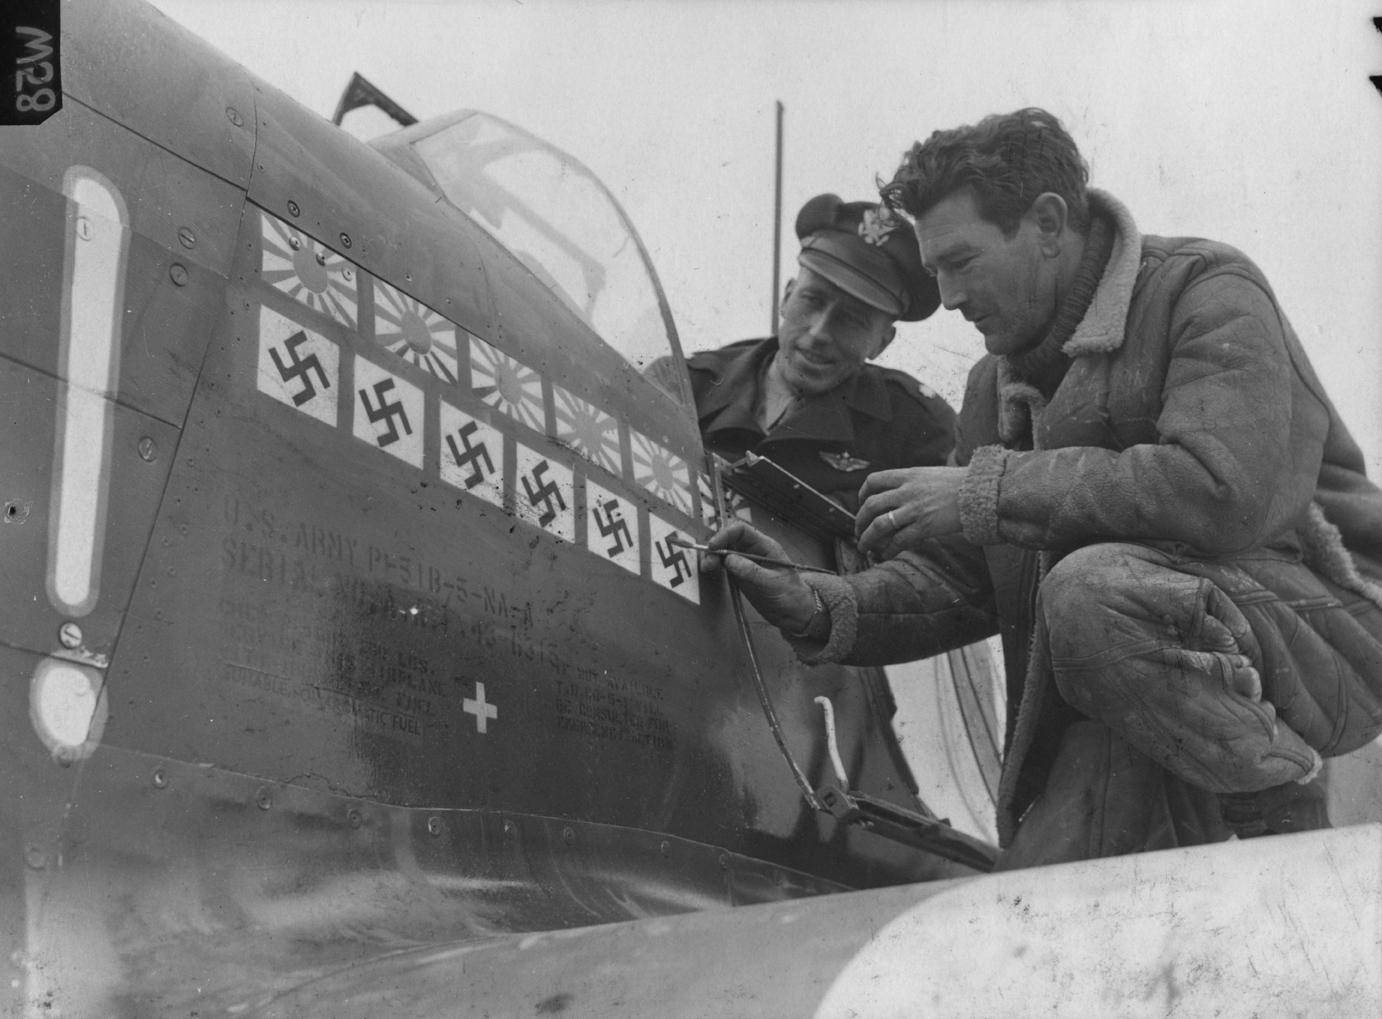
1020, 405
1101, 329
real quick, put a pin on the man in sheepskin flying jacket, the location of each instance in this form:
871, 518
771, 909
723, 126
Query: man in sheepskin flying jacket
1155, 505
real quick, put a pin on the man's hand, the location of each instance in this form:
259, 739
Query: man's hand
779, 594
900, 509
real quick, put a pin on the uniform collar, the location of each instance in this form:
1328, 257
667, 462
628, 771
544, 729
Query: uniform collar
728, 403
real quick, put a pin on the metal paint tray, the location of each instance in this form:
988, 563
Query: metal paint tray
783, 493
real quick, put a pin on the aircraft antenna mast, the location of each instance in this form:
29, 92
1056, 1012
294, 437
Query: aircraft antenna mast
360, 91
777, 223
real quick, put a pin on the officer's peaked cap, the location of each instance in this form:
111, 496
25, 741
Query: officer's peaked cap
869, 252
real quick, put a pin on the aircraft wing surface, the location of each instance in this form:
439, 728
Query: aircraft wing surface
1284, 926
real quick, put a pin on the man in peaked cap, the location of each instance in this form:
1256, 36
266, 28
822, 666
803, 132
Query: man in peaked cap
1153, 502
807, 398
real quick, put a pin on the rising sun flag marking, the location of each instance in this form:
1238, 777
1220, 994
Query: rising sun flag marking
414, 332
588, 430
710, 516
308, 272
664, 474
508, 386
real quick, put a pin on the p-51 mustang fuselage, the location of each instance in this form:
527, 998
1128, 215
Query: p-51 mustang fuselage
340, 611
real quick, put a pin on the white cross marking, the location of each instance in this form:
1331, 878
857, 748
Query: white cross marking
483, 712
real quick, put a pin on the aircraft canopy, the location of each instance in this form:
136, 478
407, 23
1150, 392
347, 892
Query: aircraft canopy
556, 217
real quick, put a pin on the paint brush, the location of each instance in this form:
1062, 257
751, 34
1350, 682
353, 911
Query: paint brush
765, 560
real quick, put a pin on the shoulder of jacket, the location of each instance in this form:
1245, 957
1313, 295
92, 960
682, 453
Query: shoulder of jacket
710, 360
1189, 257
913, 392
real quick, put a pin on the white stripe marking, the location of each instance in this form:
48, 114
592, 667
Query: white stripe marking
89, 361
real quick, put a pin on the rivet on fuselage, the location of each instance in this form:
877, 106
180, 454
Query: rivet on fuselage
263, 798
345, 240
34, 857
186, 237
434, 825
666, 848
70, 635
178, 274
293, 209
569, 835
354, 817
233, 115
724, 862
510, 829
160, 779
148, 450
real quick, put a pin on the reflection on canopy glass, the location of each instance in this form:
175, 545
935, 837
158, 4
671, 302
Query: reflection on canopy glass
557, 218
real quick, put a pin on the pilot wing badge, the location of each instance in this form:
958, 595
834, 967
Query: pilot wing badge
844, 462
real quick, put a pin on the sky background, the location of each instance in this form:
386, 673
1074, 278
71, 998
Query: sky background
1250, 123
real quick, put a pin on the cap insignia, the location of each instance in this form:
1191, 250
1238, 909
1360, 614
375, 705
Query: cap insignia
877, 224
843, 461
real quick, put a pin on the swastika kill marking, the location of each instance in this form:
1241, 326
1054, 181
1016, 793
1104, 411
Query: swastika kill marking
673, 568
543, 493
385, 413
472, 455
388, 412
612, 529
297, 367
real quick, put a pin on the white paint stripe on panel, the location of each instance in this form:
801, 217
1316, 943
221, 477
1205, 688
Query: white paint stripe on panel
89, 362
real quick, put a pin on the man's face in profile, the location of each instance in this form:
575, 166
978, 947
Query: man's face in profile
826, 335
1005, 286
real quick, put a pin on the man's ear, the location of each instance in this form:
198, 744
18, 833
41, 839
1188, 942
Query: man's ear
787, 291
1051, 216
889, 334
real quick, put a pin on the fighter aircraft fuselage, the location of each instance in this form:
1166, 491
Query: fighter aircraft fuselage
340, 611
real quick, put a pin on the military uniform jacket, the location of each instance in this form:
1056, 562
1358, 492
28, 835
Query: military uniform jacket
879, 420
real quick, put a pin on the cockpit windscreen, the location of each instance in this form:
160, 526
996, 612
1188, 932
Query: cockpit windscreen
557, 218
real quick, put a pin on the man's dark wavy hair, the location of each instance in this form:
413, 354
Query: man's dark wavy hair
1006, 160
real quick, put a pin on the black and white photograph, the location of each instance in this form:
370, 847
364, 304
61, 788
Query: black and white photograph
690, 508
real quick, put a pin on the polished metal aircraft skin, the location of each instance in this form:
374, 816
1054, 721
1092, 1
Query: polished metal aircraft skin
339, 612
1274, 928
